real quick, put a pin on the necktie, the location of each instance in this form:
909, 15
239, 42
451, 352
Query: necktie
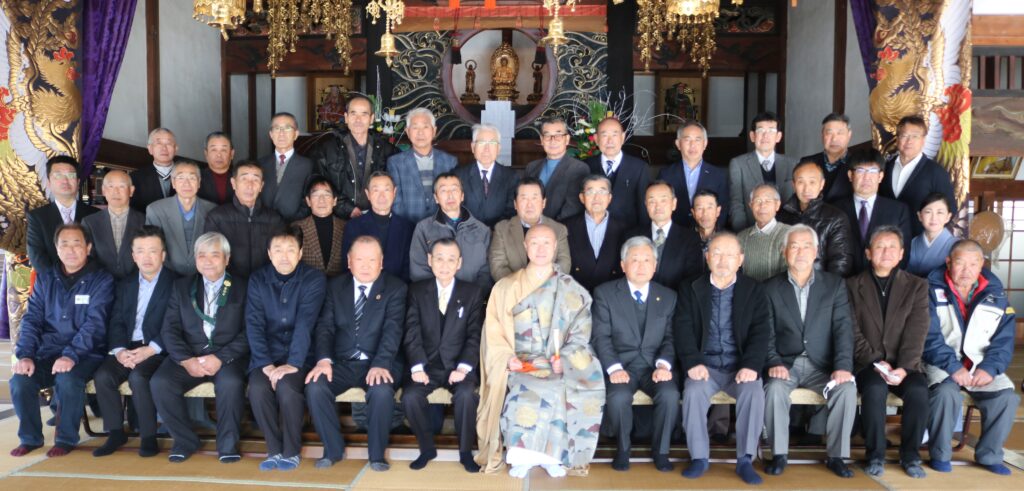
442, 302
487, 183
659, 241
862, 218
360, 303
608, 167
766, 165
639, 297
67, 216
280, 167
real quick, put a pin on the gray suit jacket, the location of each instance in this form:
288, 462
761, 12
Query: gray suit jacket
745, 175
616, 333
826, 333
288, 197
508, 254
164, 214
118, 263
563, 188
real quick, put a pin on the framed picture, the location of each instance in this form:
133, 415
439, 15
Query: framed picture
988, 167
681, 95
327, 95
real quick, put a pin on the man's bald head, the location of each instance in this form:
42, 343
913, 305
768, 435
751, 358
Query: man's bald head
117, 189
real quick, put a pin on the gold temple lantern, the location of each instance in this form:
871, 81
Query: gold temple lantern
222, 14
556, 34
387, 50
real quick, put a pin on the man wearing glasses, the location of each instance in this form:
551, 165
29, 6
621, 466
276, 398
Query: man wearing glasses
561, 174
762, 166
285, 171
912, 165
694, 174
62, 173
182, 217
490, 187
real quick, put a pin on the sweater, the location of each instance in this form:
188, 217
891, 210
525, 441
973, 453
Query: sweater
762, 253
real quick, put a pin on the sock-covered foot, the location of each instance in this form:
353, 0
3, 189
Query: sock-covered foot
1000, 469
519, 471
838, 467
59, 450
229, 459
116, 440
913, 469
466, 459
270, 463
177, 458
940, 465
380, 465
554, 470
745, 469
421, 461
288, 463
696, 468
875, 468
325, 462
148, 447
621, 461
662, 463
777, 465
22, 450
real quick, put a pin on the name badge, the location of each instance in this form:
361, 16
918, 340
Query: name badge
81, 299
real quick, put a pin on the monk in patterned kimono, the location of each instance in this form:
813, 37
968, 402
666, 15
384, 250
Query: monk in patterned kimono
542, 390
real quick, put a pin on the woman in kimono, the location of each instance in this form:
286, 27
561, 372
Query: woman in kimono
928, 251
542, 390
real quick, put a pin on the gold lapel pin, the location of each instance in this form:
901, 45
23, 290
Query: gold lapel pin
657, 299
378, 296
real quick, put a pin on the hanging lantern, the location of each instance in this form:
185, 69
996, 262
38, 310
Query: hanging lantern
556, 34
222, 14
387, 47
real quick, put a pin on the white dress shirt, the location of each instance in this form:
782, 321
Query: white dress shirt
901, 173
644, 290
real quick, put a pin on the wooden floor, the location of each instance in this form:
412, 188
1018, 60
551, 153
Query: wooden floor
79, 471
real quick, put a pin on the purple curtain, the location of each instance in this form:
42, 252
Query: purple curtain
864, 21
105, 28
5, 326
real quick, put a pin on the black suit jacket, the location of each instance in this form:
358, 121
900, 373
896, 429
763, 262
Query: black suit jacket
183, 334
147, 188
562, 192
629, 186
683, 255
586, 269
42, 223
380, 330
617, 336
712, 178
208, 188
122, 317
928, 177
497, 205
439, 342
118, 263
750, 322
287, 197
837, 184
826, 333
885, 212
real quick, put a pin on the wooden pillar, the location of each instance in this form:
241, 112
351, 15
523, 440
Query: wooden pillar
153, 63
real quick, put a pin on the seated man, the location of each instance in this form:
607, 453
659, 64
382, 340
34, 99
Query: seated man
595, 235
806, 206
891, 318
507, 254
281, 311
812, 346
541, 386
670, 237
969, 346
61, 341
721, 331
204, 335
633, 338
442, 345
133, 336
322, 230
392, 231
764, 240
357, 340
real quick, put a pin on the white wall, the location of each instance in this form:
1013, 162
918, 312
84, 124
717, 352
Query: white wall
263, 113
725, 100
290, 96
240, 116
998, 7
810, 47
126, 120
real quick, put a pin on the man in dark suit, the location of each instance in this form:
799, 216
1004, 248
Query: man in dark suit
357, 344
670, 237
632, 335
285, 172
204, 335
595, 235
628, 174
442, 345
391, 230
135, 344
835, 138
215, 179
812, 346
912, 176
62, 172
560, 173
490, 187
112, 229
722, 332
867, 210
153, 182
694, 174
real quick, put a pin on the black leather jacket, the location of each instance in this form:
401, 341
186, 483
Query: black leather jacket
833, 228
330, 154
248, 233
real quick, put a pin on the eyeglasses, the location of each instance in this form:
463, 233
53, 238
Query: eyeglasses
596, 192
766, 131
910, 136
281, 129
186, 178
487, 142
873, 171
64, 175
321, 195
553, 136
764, 201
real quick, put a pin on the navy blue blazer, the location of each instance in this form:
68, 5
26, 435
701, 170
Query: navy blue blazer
280, 316
712, 178
629, 187
928, 177
396, 243
497, 205
380, 333
122, 318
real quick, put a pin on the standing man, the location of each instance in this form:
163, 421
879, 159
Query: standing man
62, 173
764, 241
153, 182
133, 338
633, 338
357, 341
595, 235
285, 172
490, 187
670, 238
452, 221
629, 175
214, 183
508, 252
911, 165
204, 335
182, 218
806, 206
693, 173
835, 138
61, 342
762, 166
349, 158
112, 230
722, 331
247, 223
560, 174
812, 347
392, 231
442, 344
415, 170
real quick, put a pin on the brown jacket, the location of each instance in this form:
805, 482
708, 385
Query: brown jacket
311, 253
508, 254
899, 340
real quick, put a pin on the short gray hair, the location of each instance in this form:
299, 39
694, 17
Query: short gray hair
420, 111
886, 229
801, 228
765, 186
181, 163
725, 234
637, 241
595, 178
212, 239
688, 123
152, 134
477, 128
966, 245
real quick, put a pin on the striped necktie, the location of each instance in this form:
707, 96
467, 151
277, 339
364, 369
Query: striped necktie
360, 303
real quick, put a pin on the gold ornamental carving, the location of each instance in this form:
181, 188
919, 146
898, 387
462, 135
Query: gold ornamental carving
504, 71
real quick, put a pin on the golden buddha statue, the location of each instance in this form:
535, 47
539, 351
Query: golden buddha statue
504, 70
